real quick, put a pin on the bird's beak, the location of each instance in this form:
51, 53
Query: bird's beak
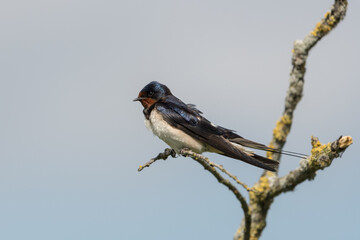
138, 99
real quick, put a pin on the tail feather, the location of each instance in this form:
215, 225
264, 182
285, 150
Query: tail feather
258, 161
251, 144
267, 161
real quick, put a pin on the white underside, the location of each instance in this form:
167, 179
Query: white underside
175, 138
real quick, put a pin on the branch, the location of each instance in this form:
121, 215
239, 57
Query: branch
321, 157
163, 156
209, 166
299, 56
221, 168
269, 184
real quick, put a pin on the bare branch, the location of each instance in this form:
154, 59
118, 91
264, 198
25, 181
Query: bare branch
164, 155
210, 167
221, 168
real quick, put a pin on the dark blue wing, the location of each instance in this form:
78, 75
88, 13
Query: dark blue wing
180, 116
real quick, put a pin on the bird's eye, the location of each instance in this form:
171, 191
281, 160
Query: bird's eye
151, 94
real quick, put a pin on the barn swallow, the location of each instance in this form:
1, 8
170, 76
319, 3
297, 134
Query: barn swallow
182, 126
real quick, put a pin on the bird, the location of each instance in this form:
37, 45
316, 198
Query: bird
182, 126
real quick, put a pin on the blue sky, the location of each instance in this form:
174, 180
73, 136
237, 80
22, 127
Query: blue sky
71, 138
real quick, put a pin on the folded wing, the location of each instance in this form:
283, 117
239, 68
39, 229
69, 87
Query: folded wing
191, 122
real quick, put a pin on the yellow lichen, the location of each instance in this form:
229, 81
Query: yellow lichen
316, 29
270, 174
325, 25
327, 14
315, 155
331, 21
315, 142
280, 131
286, 119
270, 154
260, 187
319, 149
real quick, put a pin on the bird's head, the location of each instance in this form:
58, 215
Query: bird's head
152, 93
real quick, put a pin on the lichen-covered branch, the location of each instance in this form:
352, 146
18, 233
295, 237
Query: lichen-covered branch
263, 196
299, 56
263, 193
321, 157
270, 186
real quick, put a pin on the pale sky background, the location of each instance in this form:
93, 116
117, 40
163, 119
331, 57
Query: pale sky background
71, 139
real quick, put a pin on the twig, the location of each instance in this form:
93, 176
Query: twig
205, 163
210, 166
164, 155
221, 168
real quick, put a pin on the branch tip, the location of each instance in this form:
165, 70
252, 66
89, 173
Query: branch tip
345, 141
